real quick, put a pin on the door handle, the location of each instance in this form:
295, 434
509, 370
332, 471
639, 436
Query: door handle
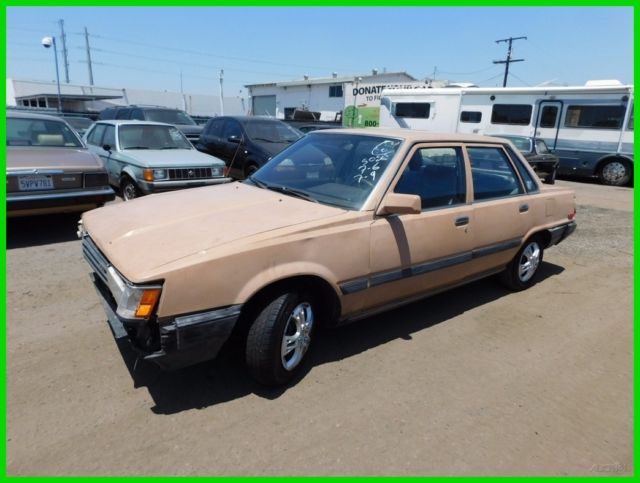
462, 220
524, 208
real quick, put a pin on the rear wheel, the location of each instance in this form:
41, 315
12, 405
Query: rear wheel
280, 337
129, 189
521, 271
615, 172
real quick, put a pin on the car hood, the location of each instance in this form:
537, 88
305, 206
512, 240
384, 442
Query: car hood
165, 158
19, 158
142, 236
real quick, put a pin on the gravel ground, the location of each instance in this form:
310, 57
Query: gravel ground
475, 381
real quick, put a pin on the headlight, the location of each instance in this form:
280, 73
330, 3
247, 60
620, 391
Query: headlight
216, 171
133, 301
154, 174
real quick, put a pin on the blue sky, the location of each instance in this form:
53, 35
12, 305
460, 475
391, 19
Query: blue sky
148, 47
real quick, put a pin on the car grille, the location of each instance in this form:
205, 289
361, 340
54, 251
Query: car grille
96, 259
192, 173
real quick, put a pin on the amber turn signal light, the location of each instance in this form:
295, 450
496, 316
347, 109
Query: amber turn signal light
148, 303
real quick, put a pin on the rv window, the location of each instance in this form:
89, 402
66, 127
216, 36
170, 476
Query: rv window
630, 125
511, 114
413, 109
595, 117
549, 116
470, 116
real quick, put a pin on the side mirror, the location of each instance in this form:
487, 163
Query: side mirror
234, 139
107, 147
400, 204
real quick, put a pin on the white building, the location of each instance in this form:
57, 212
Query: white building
92, 99
328, 95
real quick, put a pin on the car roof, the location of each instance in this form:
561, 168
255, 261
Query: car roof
411, 135
132, 122
247, 119
33, 115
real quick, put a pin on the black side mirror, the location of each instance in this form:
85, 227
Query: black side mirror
107, 147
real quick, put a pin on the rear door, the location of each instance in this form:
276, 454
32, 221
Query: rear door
501, 206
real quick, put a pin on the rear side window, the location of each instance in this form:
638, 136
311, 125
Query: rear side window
492, 173
95, 136
417, 110
437, 176
470, 116
529, 182
519, 114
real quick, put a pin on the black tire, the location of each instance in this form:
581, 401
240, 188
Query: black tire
269, 360
551, 177
129, 189
615, 172
516, 276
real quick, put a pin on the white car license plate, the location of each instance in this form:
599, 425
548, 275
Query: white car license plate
35, 183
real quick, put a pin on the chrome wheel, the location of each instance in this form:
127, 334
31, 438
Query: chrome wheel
297, 336
129, 191
614, 173
529, 261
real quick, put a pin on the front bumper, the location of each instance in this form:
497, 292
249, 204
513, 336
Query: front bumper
63, 199
170, 342
148, 187
176, 342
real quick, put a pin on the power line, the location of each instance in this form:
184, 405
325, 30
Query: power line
508, 60
525, 83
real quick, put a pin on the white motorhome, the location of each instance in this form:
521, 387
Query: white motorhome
590, 128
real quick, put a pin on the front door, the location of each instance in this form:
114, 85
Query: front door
414, 253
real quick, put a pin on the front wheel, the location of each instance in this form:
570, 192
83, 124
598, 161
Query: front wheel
615, 172
521, 271
280, 337
129, 189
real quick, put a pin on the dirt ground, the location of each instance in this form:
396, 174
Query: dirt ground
476, 381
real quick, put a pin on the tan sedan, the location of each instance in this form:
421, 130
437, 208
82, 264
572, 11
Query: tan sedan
340, 225
49, 170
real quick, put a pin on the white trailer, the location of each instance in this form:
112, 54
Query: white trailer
590, 128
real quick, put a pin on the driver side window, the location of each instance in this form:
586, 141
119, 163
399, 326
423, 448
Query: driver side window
436, 175
232, 129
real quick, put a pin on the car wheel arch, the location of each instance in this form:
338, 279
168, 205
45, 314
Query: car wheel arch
330, 305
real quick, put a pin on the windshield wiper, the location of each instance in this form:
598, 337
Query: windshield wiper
266, 140
137, 147
170, 147
282, 189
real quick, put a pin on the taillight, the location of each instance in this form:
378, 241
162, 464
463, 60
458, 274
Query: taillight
225, 171
572, 215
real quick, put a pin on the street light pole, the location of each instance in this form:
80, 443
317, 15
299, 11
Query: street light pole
48, 42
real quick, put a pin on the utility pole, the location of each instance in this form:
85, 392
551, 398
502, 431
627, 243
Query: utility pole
221, 95
508, 60
65, 57
86, 42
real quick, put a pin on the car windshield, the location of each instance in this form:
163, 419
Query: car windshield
272, 131
335, 169
40, 132
523, 144
169, 116
146, 136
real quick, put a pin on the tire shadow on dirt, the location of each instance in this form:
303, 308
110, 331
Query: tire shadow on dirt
41, 230
225, 378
